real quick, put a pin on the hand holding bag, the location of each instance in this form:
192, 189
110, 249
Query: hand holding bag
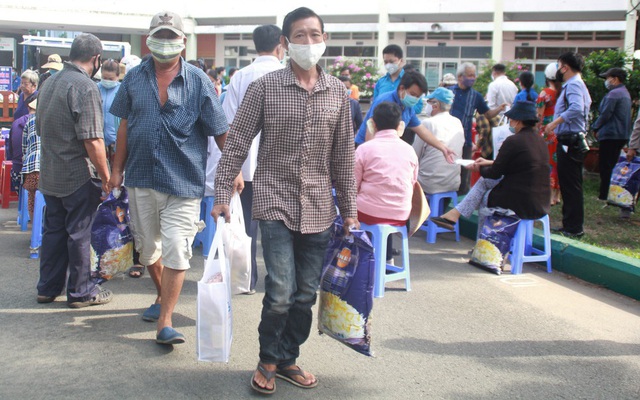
213, 320
237, 245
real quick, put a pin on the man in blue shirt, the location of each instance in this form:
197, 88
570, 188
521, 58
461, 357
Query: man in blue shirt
393, 63
465, 103
570, 119
411, 87
168, 108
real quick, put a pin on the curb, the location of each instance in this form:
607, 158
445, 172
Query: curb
605, 268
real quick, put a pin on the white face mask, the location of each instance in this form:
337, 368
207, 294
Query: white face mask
165, 50
392, 68
427, 109
306, 55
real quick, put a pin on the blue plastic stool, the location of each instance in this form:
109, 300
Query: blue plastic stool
205, 238
522, 250
380, 233
23, 209
437, 208
38, 225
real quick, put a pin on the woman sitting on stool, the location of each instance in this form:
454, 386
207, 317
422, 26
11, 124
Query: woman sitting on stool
386, 169
518, 179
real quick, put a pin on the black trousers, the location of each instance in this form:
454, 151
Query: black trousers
570, 180
66, 243
608, 154
251, 227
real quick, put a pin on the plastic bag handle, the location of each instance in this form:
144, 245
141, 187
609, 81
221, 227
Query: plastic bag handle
217, 247
235, 208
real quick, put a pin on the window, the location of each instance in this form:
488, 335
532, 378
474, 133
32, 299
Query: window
465, 35
552, 53
231, 36
362, 35
442, 52
580, 35
334, 51
359, 51
415, 64
552, 35
439, 35
415, 35
247, 36
415, 51
231, 51
340, 36
606, 35
585, 51
476, 52
525, 52
486, 35
526, 36
243, 51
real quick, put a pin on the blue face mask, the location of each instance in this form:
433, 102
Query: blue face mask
108, 84
409, 101
512, 129
53, 72
468, 82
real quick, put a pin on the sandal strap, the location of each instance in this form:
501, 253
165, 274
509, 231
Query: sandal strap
267, 374
292, 371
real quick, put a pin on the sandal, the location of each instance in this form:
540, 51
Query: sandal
289, 374
443, 223
269, 375
137, 271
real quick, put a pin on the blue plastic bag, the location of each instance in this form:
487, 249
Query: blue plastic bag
625, 184
494, 242
111, 239
346, 289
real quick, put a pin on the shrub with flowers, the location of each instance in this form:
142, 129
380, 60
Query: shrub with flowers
364, 74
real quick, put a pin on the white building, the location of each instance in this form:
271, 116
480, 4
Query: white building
436, 35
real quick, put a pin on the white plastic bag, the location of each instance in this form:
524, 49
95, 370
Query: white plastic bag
237, 246
499, 134
213, 320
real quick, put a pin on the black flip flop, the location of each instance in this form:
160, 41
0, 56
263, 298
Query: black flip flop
269, 375
443, 223
137, 268
288, 375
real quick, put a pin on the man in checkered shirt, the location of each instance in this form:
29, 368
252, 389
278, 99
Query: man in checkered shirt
306, 143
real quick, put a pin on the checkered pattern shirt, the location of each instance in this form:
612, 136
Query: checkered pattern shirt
167, 146
30, 147
306, 142
69, 112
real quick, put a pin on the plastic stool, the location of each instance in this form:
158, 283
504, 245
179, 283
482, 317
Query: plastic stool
23, 209
38, 225
522, 250
437, 208
380, 233
205, 238
6, 195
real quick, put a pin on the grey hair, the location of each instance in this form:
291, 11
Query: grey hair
463, 68
32, 76
84, 47
444, 106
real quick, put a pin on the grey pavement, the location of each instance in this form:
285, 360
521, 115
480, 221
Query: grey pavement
460, 333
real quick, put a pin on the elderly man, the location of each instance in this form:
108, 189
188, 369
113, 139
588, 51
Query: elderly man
465, 103
306, 143
267, 41
569, 124
613, 126
168, 109
435, 175
28, 86
69, 121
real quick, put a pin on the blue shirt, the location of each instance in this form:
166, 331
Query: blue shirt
167, 146
465, 104
111, 122
522, 96
573, 106
408, 114
385, 84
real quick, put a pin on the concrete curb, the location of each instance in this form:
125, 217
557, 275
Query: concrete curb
606, 268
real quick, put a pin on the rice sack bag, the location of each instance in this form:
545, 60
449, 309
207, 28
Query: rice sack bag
625, 183
494, 242
346, 290
111, 239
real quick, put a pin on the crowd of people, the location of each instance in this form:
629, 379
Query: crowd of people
284, 135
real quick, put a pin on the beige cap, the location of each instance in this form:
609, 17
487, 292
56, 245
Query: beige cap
166, 20
53, 62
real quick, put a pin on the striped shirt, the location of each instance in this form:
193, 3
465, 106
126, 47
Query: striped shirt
30, 147
306, 142
167, 145
69, 112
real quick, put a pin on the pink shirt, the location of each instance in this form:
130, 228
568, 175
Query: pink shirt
386, 169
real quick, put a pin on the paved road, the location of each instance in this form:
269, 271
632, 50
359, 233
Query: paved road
461, 333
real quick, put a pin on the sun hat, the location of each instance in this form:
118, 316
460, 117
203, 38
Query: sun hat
523, 111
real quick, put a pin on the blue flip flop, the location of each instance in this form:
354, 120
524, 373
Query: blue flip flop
168, 335
151, 314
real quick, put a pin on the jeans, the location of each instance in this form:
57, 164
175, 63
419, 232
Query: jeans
66, 243
294, 265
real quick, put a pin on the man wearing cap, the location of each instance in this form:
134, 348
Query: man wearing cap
54, 64
613, 126
168, 109
435, 174
69, 122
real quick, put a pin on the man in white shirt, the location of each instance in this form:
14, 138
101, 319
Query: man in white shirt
501, 90
267, 41
435, 174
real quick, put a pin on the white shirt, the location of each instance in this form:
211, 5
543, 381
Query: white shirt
235, 93
213, 157
501, 91
435, 174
